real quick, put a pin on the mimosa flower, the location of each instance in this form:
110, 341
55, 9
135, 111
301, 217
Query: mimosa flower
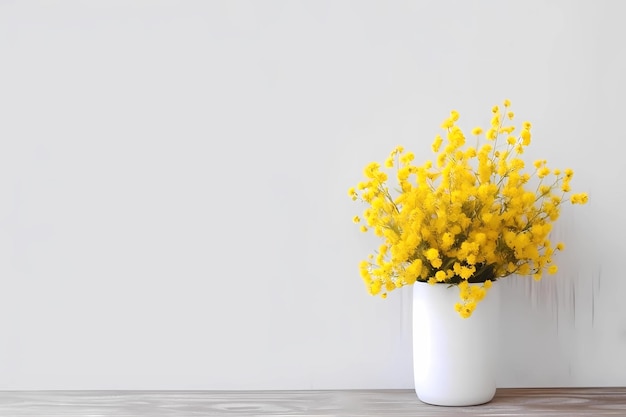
474, 215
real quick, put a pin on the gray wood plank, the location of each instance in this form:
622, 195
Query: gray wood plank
355, 403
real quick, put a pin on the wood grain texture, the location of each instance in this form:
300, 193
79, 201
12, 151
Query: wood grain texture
353, 403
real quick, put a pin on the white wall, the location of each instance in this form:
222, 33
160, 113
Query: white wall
173, 176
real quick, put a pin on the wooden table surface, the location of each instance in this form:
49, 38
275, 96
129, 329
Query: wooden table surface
353, 403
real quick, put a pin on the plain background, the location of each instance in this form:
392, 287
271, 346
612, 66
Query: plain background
174, 175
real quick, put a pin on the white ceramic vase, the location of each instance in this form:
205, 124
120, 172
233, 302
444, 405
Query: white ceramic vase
454, 359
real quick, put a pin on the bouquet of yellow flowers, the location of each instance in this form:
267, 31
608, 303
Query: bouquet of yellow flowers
472, 216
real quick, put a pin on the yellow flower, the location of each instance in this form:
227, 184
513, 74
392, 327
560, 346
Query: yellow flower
473, 213
371, 170
543, 171
447, 240
407, 158
467, 309
436, 263
580, 198
466, 272
432, 254
375, 287
437, 143
447, 124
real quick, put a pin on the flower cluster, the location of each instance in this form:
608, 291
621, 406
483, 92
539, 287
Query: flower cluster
471, 215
